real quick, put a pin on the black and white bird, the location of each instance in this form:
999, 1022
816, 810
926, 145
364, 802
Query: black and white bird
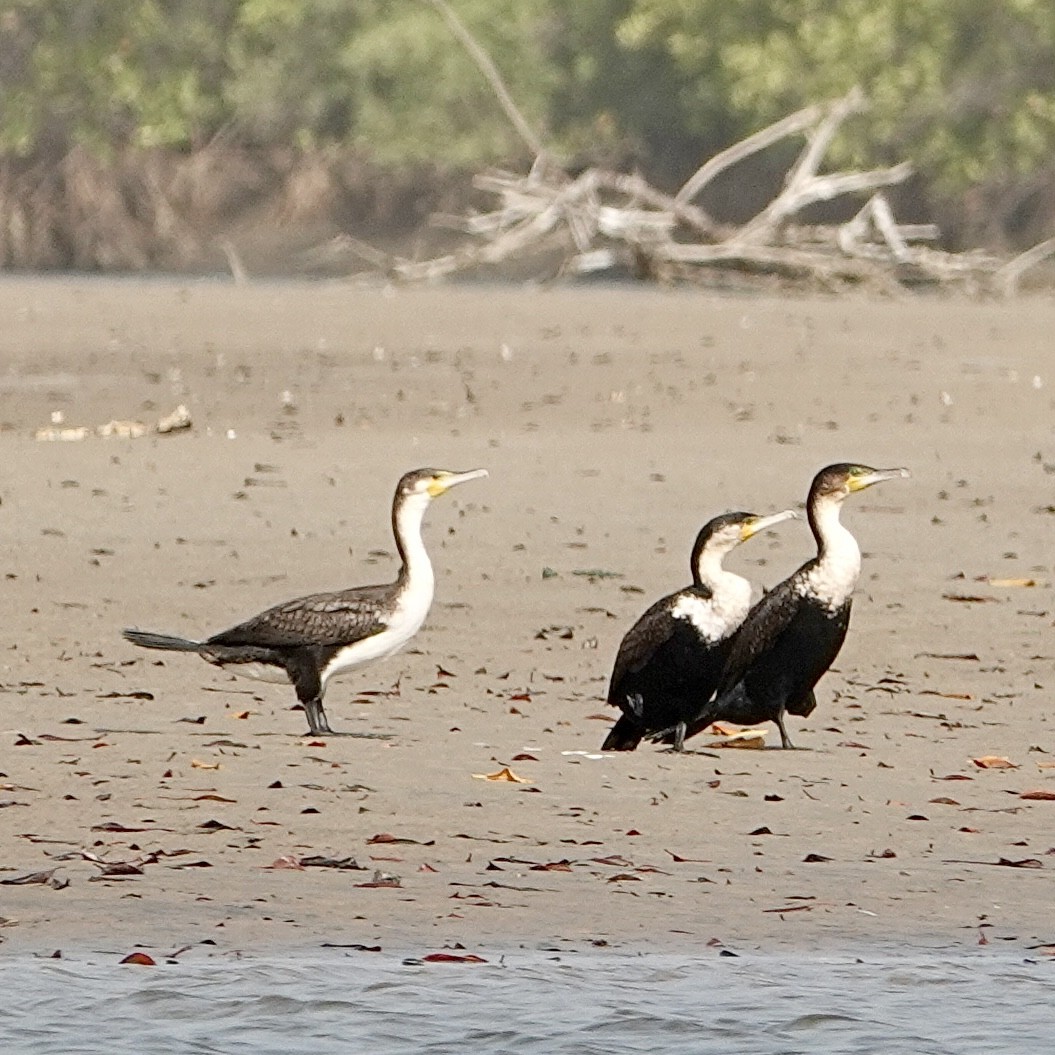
670, 660
792, 636
312, 639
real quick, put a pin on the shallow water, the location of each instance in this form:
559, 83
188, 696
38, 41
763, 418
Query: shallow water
528, 1003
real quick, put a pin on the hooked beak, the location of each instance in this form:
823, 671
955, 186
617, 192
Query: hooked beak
754, 526
876, 476
444, 481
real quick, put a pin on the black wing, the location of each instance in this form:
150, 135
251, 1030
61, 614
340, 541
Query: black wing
763, 625
641, 642
321, 619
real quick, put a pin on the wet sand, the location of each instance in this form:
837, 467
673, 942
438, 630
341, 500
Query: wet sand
613, 423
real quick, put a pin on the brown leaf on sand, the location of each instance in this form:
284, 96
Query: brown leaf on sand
552, 866
1013, 583
140, 958
524, 757
614, 861
504, 774
450, 957
815, 858
197, 763
388, 837
994, 762
118, 868
1024, 862
739, 738
344, 864
30, 879
1039, 795
114, 826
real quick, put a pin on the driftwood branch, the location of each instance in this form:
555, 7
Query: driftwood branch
599, 219
1011, 273
793, 124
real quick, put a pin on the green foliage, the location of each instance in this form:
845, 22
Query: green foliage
422, 97
107, 72
965, 88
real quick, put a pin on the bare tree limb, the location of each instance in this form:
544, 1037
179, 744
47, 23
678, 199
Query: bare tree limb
494, 78
1009, 275
791, 125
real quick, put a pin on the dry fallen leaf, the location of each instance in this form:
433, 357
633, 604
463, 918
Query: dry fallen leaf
1013, 582
743, 738
450, 957
994, 762
30, 879
198, 764
388, 837
1039, 795
140, 958
505, 773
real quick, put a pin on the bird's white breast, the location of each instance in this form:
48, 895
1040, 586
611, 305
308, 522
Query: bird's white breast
833, 578
715, 618
404, 622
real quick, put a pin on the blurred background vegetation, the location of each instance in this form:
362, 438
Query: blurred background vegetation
129, 127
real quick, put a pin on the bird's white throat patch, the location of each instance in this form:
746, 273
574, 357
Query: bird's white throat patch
718, 617
833, 578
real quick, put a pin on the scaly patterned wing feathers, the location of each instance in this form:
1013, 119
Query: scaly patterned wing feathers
321, 619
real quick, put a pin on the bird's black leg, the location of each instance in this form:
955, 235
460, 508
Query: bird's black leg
678, 744
318, 724
785, 740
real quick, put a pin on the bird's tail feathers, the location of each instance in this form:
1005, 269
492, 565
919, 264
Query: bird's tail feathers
167, 642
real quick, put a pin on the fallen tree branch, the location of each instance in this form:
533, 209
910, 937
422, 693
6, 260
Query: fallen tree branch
602, 220
1011, 273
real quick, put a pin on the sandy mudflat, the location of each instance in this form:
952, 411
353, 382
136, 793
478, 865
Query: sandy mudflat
613, 423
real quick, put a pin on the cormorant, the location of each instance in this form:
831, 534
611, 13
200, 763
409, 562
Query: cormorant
310, 639
792, 636
670, 660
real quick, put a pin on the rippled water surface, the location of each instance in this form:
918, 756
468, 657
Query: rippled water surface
605, 1003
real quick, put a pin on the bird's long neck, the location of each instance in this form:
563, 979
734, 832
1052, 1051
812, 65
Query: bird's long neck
415, 567
838, 562
708, 571
730, 593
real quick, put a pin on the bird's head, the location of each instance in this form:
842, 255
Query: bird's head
835, 482
434, 482
724, 533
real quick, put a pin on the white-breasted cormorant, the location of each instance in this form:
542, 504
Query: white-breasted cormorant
792, 636
670, 660
311, 639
